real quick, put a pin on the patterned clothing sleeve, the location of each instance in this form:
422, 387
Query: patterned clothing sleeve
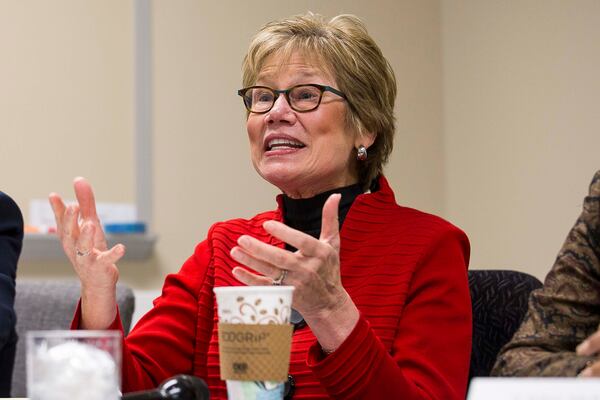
566, 310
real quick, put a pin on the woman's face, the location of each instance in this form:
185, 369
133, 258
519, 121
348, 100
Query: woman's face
303, 154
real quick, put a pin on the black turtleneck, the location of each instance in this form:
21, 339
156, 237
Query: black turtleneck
305, 215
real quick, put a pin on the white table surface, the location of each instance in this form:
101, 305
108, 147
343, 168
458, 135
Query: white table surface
534, 389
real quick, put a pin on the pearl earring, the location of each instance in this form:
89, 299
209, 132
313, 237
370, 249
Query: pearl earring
361, 153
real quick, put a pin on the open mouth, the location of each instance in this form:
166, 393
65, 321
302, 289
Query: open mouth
283, 144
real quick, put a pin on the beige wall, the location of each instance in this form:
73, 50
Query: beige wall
66, 102
497, 115
201, 165
521, 124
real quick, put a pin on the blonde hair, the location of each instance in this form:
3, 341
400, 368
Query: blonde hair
343, 47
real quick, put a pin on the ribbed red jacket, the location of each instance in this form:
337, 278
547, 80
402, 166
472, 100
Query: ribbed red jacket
405, 270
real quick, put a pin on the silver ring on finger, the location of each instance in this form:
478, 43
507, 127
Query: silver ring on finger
82, 253
279, 280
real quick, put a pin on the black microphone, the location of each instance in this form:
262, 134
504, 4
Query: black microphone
179, 387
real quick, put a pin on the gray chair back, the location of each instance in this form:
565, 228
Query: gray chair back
48, 305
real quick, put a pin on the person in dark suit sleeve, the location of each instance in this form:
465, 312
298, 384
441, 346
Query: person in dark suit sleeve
11, 241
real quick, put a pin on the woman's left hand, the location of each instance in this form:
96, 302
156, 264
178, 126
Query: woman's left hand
588, 348
314, 269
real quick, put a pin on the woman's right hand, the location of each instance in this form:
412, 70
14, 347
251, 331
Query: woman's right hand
84, 243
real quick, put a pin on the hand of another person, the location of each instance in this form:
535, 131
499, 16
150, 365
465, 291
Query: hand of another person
314, 271
84, 243
590, 347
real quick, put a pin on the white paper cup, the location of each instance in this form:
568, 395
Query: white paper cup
73, 365
254, 305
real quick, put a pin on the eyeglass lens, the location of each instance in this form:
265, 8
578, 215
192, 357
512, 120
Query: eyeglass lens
301, 98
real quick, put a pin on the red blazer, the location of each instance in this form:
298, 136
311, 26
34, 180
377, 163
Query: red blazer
405, 270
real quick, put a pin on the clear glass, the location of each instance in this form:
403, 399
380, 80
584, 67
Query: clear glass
67, 364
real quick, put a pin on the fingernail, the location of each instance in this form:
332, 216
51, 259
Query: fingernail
583, 347
243, 240
268, 224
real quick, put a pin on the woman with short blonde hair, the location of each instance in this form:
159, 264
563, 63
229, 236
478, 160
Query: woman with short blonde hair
381, 299
341, 46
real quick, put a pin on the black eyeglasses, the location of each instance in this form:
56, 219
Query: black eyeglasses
301, 98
